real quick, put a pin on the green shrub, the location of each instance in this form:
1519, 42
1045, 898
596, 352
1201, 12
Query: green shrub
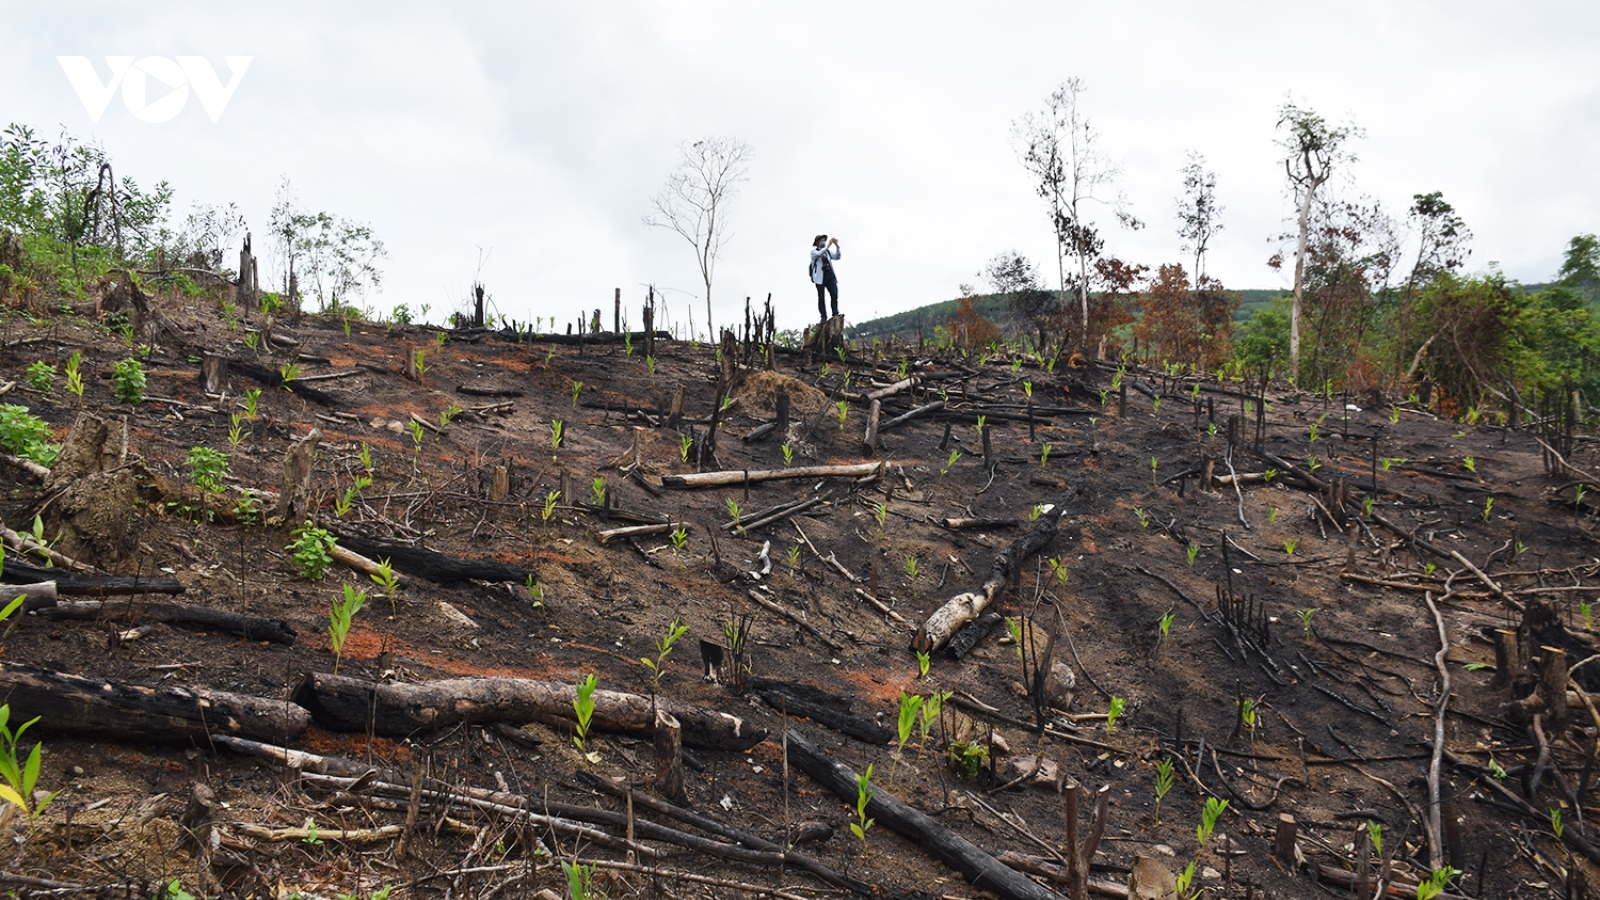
127, 381
42, 377
26, 435
312, 550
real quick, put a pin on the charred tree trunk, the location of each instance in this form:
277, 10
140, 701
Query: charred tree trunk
91, 707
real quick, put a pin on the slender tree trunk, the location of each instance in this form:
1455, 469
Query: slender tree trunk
1310, 183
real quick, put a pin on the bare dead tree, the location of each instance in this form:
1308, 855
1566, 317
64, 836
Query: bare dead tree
694, 201
1061, 150
1312, 149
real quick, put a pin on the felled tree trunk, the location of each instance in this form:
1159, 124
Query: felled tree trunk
977, 866
963, 608
91, 707
341, 703
718, 479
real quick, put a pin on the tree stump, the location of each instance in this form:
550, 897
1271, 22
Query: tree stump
297, 478
669, 758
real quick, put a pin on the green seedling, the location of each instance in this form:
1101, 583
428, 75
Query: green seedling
556, 428
1367, 506
127, 381
1165, 626
236, 432
1312, 464
312, 550
844, 411
910, 705
597, 491
390, 582
968, 757
583, 710
1184, 880
735, 512
1058, 569
1470, 464
911, 573
929, 715
880, 514
74, 377
1114, 712
1194, 551
1268, 475
580, 880
535, 589
1014, 628
924, 662
1272, 516
1208, 818
1375, 835
788, 454
1438, 880
1429, 568
548, 511
950, 462
684, 443
577, 388
1496, 770
1289, 546
207, 469
1394, 416
1313, 433
41, 376
794, 558
1035, 512
252, 342
415, 428
1305, 615
252, 403
1155, 407
291, 370
1586, 609
339, 620
1248, 714
1044, 456
674, 630
1153, 463
449, 413
1144, 517
680, 541
20, 774
1488, 509
864, 792
1164, 779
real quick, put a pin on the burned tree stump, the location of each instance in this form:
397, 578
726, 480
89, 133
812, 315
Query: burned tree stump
297, 477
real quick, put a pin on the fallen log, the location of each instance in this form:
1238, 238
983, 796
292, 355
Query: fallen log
76, 584
353, 560
978, 867
95, 708
963, 608
960, 523
719, 479
611, 534
806, 702
29, 467
341, 703
933, 407
252, 628
32, 595
440, 568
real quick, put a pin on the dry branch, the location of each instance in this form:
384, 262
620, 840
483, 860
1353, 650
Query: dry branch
254, 628
341, 703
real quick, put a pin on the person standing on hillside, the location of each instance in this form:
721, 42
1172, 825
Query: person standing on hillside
823, 252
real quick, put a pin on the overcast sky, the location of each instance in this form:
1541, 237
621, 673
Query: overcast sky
538, 132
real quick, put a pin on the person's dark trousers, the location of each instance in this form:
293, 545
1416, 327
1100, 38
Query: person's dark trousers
830, 285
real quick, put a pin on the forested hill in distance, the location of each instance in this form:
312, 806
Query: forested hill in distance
993, 308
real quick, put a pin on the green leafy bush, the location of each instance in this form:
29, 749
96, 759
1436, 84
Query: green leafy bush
127, 381
312, 550
26, 435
